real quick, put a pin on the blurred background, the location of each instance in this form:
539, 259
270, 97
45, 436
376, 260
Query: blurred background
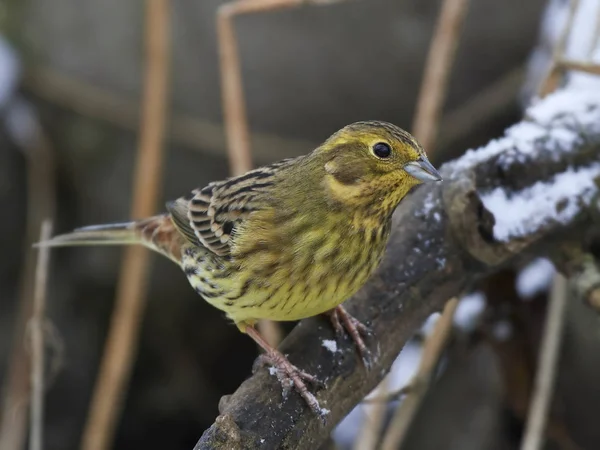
71, 84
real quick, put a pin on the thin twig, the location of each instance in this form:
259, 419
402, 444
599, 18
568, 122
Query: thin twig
390, 396
550, 80
437, 71
232, 91
547, 366
580, 66
37, 327
432, 351
537, 418
29, 135
374, 416
122, 339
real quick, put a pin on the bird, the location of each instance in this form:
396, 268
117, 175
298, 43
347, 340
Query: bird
286, 241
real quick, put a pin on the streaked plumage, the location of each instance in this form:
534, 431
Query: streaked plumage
290, 240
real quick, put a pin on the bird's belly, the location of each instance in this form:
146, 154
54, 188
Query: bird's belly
288, 301
285, 302
294, 294
301, 301
284, 292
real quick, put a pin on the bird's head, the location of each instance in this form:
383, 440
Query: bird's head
373, 163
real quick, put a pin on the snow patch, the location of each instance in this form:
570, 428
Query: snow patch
405, 366
524, 212
429, 324
535, 278
330, 345
469, 309
570, 107
428, 205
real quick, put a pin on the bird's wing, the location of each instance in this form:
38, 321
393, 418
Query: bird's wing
210, 215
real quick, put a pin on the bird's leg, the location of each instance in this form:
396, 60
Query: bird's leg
343, 323
287, 374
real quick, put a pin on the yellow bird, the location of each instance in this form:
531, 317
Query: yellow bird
290, 240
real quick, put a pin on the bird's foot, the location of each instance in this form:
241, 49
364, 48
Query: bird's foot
344, 323
288, 374
290, 377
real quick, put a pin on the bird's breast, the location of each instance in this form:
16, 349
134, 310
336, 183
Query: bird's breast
300, 273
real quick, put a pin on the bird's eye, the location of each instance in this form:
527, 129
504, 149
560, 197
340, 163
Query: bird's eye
382, 150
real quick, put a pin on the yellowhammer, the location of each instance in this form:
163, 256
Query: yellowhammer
290, 240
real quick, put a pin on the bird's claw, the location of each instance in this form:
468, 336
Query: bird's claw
361, 327
265, 359
289, 377
344, 323
337, 325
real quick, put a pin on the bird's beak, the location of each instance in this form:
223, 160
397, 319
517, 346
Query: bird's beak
422, 170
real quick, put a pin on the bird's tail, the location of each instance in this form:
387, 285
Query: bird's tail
157, 233
110, 234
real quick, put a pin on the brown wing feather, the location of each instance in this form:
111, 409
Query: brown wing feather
179, 210
212, 214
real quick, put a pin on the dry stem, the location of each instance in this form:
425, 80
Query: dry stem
437, 71
234, 107
124, 329
547, 365
550, 82
37, 324
537, 417
580, 66
40, 205
432, 351
234, 104
368, 437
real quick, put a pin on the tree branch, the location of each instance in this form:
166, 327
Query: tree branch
444, 238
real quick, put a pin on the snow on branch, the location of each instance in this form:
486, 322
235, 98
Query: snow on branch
561, 121
559, 200
565, 121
